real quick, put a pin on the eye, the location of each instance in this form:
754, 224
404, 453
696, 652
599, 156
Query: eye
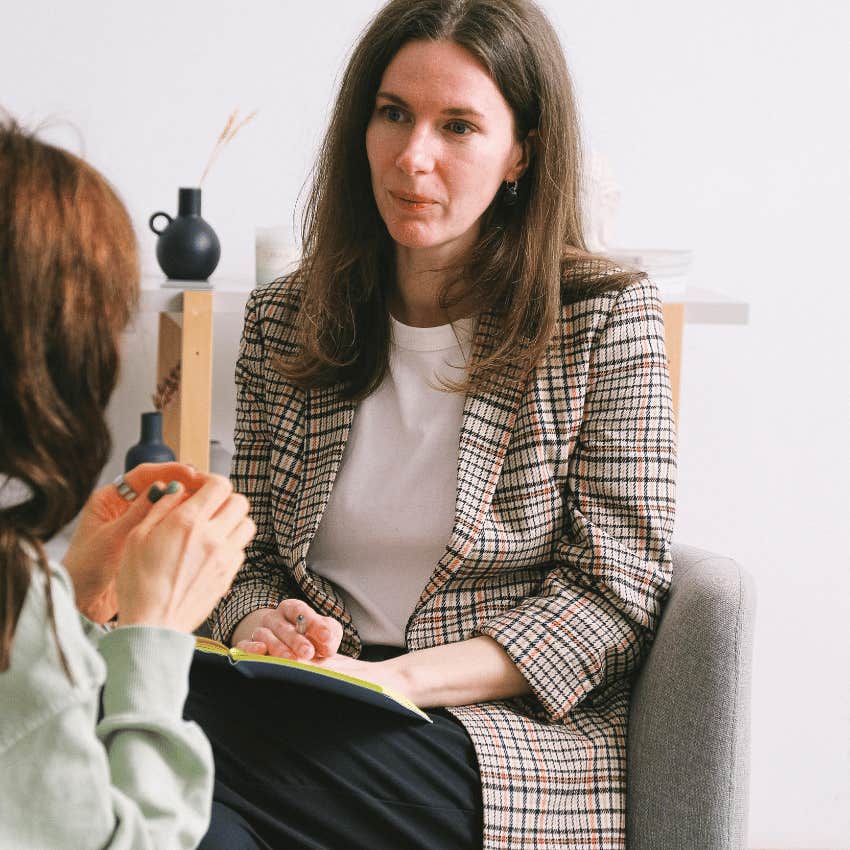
459, 128
393, 114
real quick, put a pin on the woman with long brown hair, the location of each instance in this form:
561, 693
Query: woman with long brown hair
455, 428
157, 554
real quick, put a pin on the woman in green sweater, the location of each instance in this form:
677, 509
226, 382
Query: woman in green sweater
141, 776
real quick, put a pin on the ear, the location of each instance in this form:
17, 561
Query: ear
524, 157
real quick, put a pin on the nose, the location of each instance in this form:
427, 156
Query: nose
418, 154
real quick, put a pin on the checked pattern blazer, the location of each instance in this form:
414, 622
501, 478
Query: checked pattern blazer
560, 549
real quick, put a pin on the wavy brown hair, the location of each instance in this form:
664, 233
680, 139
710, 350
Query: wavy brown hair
530, 258
69, 282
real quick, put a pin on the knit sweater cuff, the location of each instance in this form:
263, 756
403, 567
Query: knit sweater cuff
148, 670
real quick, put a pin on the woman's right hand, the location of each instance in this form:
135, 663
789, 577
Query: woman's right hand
97, 546
182, 557
274, 631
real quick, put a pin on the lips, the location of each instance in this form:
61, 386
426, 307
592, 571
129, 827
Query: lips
411, 200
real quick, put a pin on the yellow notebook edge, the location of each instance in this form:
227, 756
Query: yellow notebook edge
209, 645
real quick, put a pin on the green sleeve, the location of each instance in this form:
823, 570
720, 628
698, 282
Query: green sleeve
160, 765
141, 778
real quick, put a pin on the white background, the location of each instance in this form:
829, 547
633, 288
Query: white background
726, 125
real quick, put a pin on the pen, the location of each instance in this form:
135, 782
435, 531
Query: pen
300, 625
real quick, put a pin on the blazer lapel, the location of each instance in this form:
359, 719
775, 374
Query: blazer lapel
488, 420
327, 426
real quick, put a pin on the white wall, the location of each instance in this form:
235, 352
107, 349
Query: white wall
727, 126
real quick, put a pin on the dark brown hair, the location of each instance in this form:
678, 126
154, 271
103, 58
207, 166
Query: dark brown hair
69, 282
530, 258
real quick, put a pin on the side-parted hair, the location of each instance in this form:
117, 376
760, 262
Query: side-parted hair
69, 283
530, 258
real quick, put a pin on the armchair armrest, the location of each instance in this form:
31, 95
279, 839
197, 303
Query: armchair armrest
688, 744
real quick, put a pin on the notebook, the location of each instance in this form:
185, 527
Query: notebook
208, 651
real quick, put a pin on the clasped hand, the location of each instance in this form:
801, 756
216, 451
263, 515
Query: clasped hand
163, 563
274, 631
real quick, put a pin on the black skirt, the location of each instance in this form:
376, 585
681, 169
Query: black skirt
296, 768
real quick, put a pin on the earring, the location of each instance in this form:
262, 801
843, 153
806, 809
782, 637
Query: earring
509, 192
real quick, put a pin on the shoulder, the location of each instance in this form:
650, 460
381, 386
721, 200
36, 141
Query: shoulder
272, 310
276, 301
281, 296
598, 318
638, 301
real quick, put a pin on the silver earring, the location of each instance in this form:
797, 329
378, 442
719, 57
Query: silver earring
509, 192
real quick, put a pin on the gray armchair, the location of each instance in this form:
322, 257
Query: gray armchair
689, 726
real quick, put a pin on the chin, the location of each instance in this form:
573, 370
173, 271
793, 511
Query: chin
414, 236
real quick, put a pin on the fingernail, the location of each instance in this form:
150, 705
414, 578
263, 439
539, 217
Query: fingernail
155, 493
173, 487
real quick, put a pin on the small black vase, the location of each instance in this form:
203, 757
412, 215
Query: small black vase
187, 248
150, 448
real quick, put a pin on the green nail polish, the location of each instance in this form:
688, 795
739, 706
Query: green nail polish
155, 494
173, 487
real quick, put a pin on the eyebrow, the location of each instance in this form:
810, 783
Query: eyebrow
455, 111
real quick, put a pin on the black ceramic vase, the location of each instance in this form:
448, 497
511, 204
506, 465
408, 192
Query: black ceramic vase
150, 448
187, 248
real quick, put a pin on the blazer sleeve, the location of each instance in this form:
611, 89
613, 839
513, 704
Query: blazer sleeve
263, 581
600, 601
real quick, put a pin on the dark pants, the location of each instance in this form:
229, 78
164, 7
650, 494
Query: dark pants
296, 768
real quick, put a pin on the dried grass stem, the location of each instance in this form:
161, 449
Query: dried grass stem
231, 128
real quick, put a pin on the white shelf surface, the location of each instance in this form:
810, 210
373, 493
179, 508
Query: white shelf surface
159, 295
709, 307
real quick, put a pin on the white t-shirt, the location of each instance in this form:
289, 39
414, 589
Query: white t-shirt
392, 506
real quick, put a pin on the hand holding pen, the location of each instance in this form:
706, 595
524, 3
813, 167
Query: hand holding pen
292, 630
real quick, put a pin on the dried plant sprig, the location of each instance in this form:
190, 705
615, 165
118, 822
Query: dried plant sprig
231, 128
167, 388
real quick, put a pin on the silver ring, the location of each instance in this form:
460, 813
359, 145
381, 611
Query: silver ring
125, 491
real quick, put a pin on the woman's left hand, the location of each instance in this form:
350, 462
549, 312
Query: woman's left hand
95, 551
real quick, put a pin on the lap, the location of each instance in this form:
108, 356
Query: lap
231, 831
303, 769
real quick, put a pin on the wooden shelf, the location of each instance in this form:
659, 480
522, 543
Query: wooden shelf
187, 308
708, 307
159, 295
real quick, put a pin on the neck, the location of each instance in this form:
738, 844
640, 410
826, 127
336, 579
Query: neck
420, 277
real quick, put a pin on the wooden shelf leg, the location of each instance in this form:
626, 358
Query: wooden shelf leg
196, 380
674, 323
167, 358
187, 340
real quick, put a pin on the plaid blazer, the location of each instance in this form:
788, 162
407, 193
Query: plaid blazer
560, 549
